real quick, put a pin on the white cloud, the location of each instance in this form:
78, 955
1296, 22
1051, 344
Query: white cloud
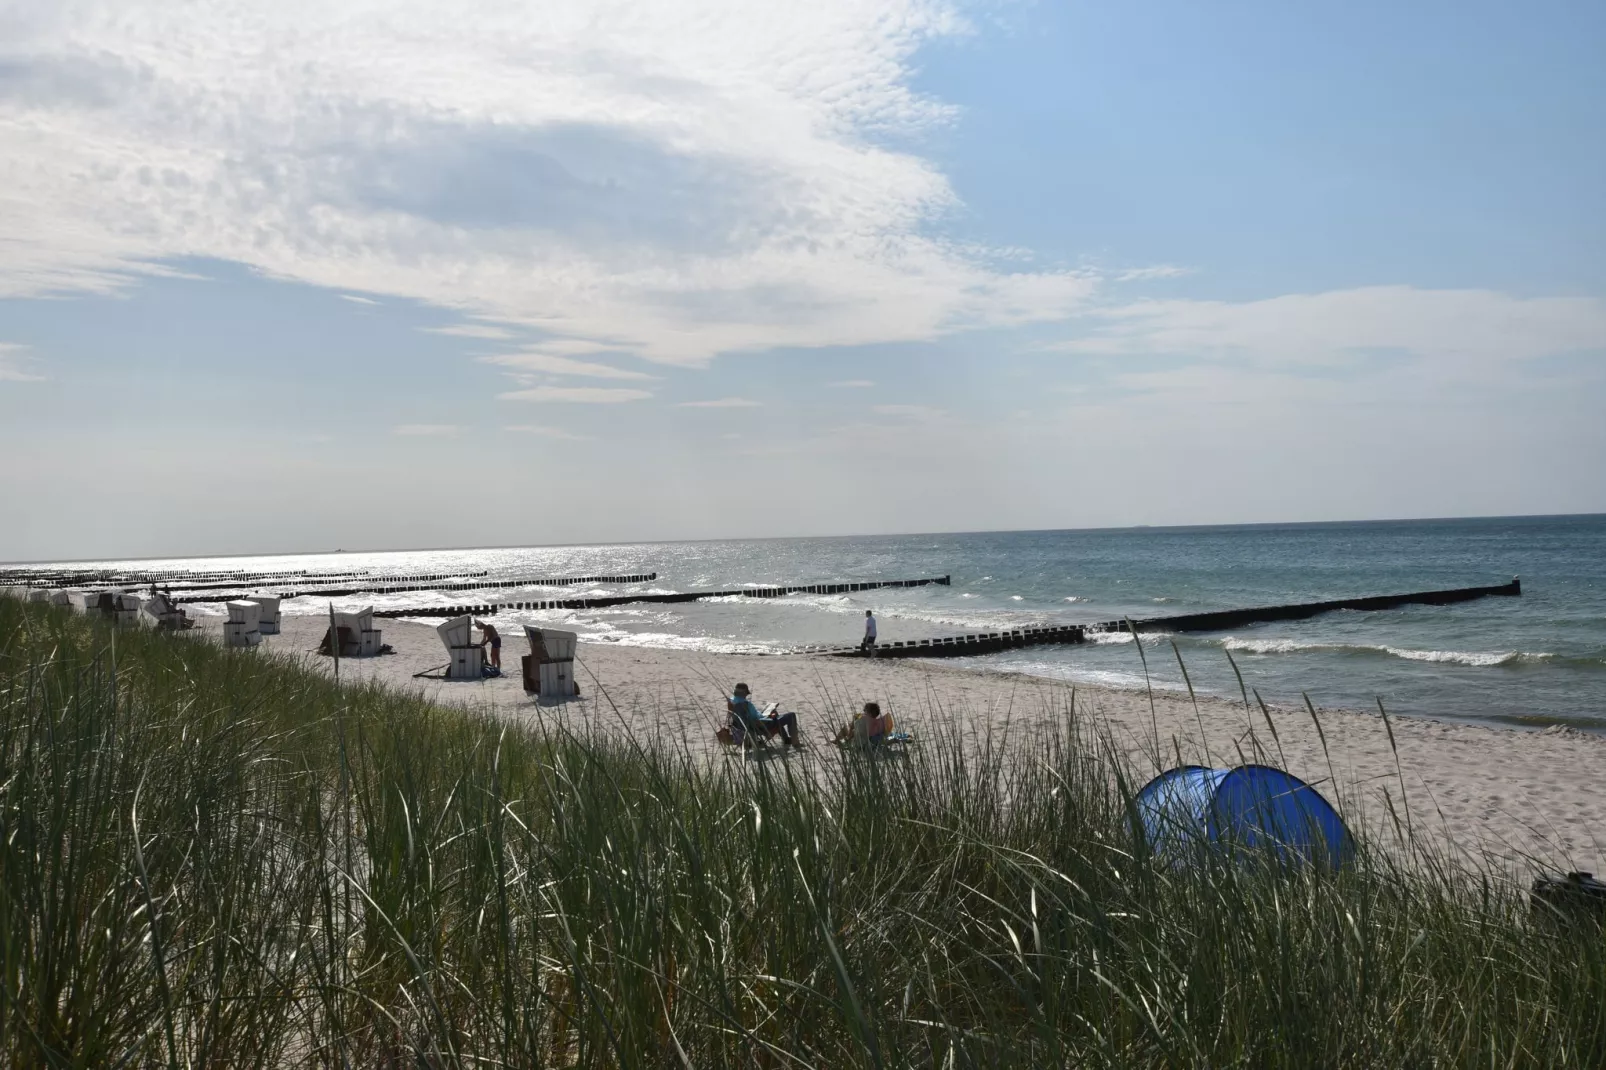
552, 364
470, 330
1395, 347
720, 403
675, 179
579, 347
1159, 271
852, 384
1471, 327
426, 430
354, 299
547, 432
924, 413
12, 362
587, 395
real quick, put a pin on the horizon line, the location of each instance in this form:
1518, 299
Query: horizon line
781, 538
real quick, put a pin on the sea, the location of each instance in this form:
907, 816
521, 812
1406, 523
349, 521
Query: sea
1534, 661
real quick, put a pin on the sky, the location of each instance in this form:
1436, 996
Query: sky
412, 274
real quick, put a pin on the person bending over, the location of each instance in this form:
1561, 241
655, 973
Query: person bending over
494, 638
741, 706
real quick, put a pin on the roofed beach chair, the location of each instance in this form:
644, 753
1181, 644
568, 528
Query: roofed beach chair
87, 602
468, 657
125, 609
548, 668
355, 633
161, 613
267, 613
241, 627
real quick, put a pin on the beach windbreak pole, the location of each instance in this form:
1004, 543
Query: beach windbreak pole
334, 641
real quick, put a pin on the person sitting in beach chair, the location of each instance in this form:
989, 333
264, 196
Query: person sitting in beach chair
747, 719
871, 726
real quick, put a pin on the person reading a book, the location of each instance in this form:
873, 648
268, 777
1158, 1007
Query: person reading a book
768, 721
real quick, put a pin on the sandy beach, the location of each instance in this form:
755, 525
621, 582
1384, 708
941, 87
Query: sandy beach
1505, 795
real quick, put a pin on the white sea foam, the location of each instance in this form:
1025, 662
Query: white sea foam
1462, 657
1268, 646
1123, 681
1477, 659
1070, 672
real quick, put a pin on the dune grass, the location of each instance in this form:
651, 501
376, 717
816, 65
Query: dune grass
218, 858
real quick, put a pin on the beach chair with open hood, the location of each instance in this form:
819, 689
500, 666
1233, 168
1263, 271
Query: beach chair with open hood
468, 657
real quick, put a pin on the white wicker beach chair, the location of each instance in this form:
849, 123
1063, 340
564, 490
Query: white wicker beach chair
468, 657
240, 629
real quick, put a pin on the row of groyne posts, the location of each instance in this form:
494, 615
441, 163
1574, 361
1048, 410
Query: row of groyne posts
971, 645
116, 594
609, 601
36, 586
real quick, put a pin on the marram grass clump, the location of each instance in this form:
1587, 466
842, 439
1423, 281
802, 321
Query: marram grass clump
215, 858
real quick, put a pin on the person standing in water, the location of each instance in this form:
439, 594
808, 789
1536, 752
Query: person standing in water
868, 644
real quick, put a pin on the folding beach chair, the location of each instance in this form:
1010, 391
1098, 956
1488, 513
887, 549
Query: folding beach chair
739, 739
892, 737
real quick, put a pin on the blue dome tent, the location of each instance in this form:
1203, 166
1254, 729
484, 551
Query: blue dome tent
1252, 806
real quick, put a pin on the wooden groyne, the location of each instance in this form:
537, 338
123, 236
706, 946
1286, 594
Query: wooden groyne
971, 645
162, 577
609, 601
246, 583
310, 578
1222, 620
463, 585
964, 646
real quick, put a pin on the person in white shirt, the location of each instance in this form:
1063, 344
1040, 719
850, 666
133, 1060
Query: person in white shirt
868, 645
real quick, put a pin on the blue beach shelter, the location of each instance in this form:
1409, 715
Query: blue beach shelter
1256, 807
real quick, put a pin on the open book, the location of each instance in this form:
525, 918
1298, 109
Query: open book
771, 709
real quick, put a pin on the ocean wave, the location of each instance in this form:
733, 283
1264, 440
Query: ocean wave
1075, 598
1069, 672
829, 603
1463, 657
1473, 658
1272, 646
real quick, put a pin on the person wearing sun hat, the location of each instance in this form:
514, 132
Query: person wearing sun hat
741, 705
